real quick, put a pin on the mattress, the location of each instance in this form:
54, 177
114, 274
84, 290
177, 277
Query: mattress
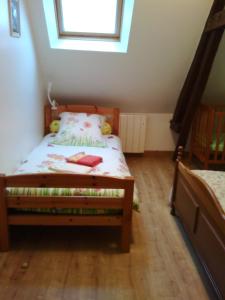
51, 158
216, 181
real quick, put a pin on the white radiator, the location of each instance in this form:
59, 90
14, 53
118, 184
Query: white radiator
132, 132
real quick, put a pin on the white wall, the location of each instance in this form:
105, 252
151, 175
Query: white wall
164, 37
159, 137
21, 105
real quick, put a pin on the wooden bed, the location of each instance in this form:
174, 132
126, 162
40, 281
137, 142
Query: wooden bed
124, 221
203, 220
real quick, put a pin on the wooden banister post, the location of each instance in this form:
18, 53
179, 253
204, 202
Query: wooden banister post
179, 157
4, 228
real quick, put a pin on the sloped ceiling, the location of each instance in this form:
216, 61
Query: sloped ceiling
164, 37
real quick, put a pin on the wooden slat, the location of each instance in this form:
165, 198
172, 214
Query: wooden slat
65, 180
63, 202
216, 21
64, 220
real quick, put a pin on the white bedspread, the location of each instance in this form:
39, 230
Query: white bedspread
47, 156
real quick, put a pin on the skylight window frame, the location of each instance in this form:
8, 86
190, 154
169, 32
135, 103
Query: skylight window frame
89, 35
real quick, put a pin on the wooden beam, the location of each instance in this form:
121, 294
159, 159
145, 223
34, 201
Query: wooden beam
199, 86
180, 110
197, 78
216, 21
176, 122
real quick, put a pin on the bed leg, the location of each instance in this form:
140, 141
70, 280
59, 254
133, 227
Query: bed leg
127, 216
126, 236
4, 229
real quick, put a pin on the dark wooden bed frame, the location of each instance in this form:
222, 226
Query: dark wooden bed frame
196, 205
69, 181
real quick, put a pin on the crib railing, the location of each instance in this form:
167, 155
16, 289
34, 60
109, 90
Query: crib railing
219, 152
208, 135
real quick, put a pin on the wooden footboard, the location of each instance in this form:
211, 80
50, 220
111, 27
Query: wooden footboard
197, 208
65, 181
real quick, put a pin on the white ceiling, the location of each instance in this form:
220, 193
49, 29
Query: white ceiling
164, 37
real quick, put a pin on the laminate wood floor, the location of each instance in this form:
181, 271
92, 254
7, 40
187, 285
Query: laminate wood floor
84, 263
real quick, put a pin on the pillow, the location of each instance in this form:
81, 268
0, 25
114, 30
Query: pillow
106, 128
54, 126
80, 129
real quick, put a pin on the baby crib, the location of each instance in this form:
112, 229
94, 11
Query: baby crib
208, 135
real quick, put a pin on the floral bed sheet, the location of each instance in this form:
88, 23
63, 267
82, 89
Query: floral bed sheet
216, 181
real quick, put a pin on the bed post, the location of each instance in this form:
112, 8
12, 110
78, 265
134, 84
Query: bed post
4, 230
127, 215
179, 156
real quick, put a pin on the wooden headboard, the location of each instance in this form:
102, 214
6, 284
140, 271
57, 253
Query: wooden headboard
112, 114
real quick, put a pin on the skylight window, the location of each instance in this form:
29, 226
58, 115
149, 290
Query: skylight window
89, 18
89, 25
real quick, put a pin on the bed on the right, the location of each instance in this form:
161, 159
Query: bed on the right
198, 199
